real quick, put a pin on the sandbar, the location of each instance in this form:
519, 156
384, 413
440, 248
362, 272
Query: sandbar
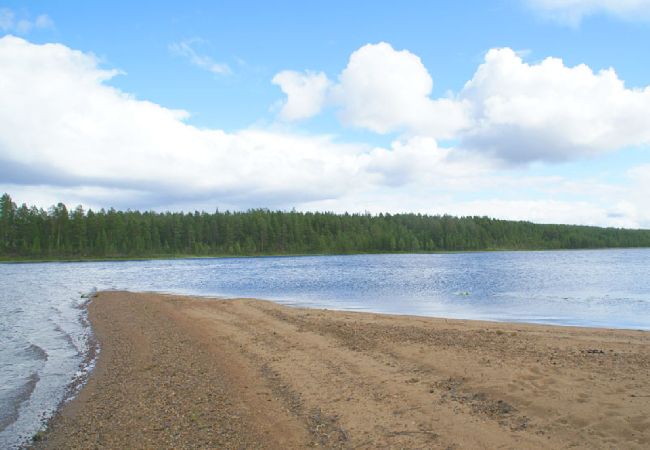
185, 372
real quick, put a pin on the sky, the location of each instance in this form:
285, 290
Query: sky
519, 109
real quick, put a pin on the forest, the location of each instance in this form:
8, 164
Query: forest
28, 232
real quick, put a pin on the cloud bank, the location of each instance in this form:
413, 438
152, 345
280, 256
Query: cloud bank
510, 109
66, 133
61, 124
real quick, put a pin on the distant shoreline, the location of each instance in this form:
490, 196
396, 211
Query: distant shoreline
177, 371
296, 255
30, 233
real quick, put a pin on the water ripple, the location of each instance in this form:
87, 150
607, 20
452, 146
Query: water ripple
48, 347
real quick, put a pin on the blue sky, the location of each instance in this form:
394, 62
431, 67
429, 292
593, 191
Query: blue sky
277, 113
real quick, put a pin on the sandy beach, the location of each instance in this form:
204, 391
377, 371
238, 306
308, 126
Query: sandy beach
187, 372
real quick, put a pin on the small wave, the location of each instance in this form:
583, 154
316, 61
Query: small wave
67, 338
85, 369
9, 411
85, 297
89, 358
87, 348
36, 352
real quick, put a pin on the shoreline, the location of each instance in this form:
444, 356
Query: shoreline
297, 255
187, 371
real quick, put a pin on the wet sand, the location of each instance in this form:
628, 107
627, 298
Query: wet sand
186, 372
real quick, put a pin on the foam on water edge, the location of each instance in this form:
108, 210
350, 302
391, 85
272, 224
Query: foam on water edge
87, 348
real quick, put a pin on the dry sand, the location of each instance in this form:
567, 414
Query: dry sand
195, 373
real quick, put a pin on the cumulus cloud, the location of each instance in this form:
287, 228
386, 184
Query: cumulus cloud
60, 123
186, 50
306, 93
573, 11
10, 23
381, 89
548, 111
64, 127
510, 109
66, 134
420, 160
385, 90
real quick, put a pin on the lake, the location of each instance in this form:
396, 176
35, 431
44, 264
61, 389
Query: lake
46, 339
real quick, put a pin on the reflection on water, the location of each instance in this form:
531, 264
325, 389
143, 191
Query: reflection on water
45, 340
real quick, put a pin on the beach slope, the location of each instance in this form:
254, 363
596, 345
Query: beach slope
187, 372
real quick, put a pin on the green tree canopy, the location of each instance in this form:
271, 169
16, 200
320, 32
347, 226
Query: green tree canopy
30, 232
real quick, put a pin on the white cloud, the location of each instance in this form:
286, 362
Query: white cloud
427, 201
65, 134
637, 198
544, 211
485, 191
61, 125
9, 23
419, 160
306, 93
548, 111
185, 49
573, 11
510, 109
386, 90
381, 89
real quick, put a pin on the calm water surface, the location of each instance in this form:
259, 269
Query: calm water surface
45, 337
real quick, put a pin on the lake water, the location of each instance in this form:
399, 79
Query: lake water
45, 336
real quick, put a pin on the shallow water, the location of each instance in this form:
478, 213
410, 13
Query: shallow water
45, 339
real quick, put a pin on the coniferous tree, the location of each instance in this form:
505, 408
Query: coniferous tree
58, 233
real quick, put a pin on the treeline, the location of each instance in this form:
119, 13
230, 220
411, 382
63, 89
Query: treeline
31, 232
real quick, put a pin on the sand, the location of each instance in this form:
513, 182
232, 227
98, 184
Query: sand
197, 373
